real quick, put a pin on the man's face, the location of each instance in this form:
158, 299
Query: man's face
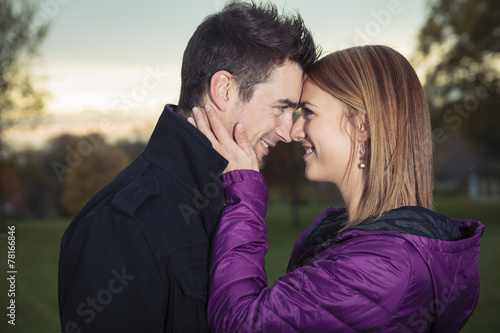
268, 115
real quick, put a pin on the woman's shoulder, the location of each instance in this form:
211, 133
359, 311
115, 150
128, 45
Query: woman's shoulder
417, 221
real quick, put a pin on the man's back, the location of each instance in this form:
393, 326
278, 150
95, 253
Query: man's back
135, 258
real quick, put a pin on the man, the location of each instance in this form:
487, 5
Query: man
135, 259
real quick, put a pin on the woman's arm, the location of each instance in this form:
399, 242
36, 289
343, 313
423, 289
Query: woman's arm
354, 286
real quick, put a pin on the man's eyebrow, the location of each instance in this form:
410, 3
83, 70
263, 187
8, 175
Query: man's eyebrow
288, 103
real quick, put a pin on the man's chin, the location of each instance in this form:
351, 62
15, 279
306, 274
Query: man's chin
261, 162
260, 158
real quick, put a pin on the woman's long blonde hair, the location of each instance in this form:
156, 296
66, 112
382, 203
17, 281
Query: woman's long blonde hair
380, 84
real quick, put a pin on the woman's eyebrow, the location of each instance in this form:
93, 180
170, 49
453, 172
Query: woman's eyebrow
307, 103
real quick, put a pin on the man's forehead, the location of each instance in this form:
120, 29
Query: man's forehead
284, 84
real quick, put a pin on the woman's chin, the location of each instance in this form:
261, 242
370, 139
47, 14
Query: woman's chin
312, 177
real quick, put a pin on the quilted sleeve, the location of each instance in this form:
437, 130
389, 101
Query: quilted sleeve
359, 284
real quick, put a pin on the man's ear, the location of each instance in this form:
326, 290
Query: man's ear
220, 89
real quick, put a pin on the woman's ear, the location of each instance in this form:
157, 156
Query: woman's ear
363, 127
220, 86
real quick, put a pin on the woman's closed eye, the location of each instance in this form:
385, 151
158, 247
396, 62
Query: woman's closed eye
306, 112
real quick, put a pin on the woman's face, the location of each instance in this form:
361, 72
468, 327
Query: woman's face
324, 134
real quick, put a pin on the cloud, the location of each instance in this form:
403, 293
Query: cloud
136, 126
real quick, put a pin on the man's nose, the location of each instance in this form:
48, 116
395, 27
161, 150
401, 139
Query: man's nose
297, 133
284, 127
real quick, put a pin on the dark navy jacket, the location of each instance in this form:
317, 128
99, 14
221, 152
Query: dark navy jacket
135, 259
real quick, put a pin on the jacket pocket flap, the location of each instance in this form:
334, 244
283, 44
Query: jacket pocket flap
193, 279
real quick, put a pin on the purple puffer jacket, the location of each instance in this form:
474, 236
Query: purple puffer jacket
391, 275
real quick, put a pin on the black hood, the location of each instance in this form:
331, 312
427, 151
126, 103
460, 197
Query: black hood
413, 220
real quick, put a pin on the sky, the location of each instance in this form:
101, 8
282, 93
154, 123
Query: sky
110, 66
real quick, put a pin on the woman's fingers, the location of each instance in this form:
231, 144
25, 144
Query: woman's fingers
240, 135
241, 138
218, 127
192, 121
239, 153
204, 126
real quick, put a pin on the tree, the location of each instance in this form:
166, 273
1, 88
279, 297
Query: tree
66, 154
459, 44
11, 183
60, 179
94, 172
20, 36
132, 149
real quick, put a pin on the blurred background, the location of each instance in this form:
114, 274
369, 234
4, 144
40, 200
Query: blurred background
82, 84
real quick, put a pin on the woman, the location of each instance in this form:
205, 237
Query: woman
386, 263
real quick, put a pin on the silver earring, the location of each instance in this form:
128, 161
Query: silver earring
362, 152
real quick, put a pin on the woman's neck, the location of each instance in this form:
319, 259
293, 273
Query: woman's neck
351, 194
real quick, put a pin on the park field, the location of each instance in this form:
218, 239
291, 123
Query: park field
37, 250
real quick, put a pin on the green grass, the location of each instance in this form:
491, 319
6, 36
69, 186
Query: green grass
37, 255
486, 316
37, 244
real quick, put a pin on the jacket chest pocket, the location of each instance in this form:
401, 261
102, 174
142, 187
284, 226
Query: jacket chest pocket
187, 300
192, 280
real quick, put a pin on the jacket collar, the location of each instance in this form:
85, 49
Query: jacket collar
407, 222
413, 220
183, 152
